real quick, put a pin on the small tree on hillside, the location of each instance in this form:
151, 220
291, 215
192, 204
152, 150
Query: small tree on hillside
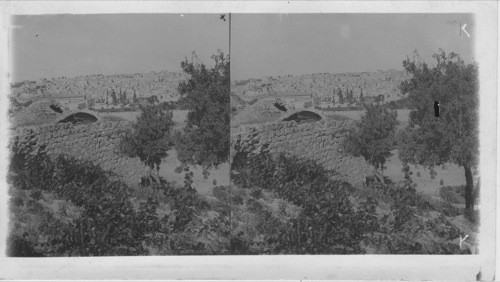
453, 137
373, 137
341, 97
123, 97
113, 96
205, 138
150, 138
134, 98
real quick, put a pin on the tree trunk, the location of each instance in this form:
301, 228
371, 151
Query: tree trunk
382, 173
378, 175
469, 186
153, 177
156, 176
475, 194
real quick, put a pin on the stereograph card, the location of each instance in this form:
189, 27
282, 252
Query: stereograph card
249, 140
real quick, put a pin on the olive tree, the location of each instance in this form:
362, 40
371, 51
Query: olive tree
453, 136
373, 137
150, 137
205, 94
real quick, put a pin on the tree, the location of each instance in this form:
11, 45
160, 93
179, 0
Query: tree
341, 97
348, 95
205, 138
373, 137
113, 96
379, 98
453, 137
361, 97
150, 137
134, 98
152, 99
123, 97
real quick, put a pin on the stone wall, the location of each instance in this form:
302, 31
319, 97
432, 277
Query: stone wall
96, 142
319, 141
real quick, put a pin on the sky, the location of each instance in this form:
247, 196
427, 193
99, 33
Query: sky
50, 46
280, 44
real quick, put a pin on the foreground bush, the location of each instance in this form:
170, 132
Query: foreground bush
415, 224
65, 207
328, 222
103, 220
453, 194
331, 217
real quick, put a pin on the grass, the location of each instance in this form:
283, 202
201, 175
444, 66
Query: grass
453, 194
452, 175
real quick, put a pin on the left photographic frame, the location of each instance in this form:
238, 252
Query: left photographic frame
118, 135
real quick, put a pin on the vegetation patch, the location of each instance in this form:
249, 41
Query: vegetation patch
332, 217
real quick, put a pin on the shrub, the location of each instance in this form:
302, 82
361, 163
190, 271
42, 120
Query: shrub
107, 223
404, 231
256, 193
451, 194
433, 173
98, 215
328, 222
373, 138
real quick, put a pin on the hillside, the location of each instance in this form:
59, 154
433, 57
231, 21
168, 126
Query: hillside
162, 84
324, 85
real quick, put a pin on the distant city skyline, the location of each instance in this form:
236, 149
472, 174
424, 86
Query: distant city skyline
297, 44
52, 46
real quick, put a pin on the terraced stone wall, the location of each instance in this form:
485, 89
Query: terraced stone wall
96, 142
319, 141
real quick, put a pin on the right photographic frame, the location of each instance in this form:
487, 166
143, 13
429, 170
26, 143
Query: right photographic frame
355, 134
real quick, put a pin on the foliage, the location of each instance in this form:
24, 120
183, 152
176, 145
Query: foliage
205, 139
134, 97
373, 137
328, 223
453, 194
113, 96
65, 207
256, 217
287, 205
194, 225
123, 96
432, 173
453, 137
409, 227
107, 223
150, 137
